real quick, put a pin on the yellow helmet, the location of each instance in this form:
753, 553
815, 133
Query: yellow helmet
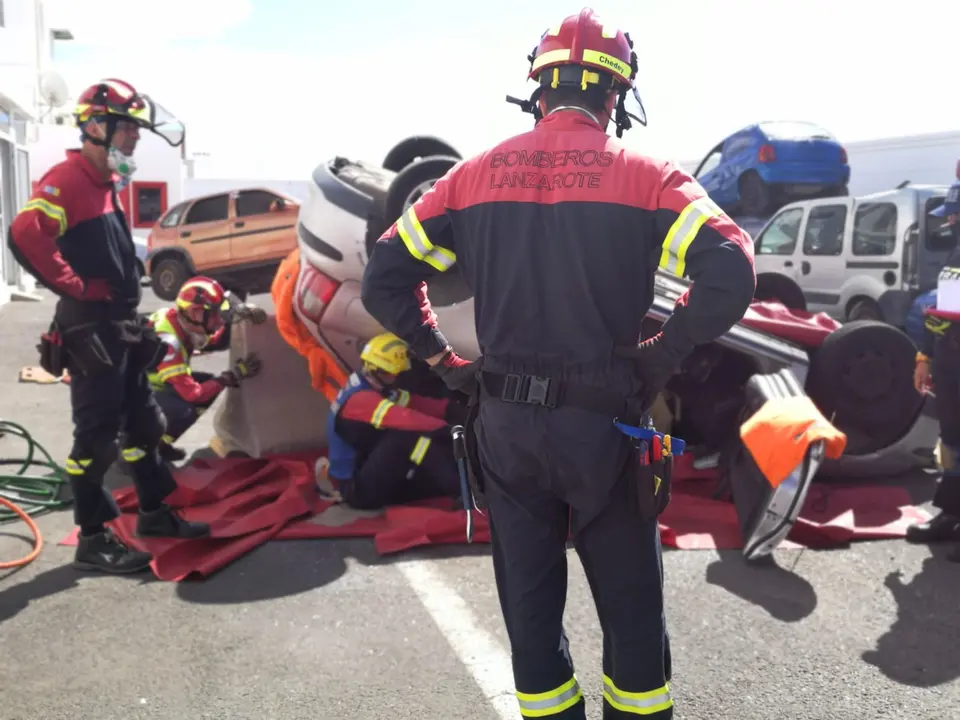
385, 352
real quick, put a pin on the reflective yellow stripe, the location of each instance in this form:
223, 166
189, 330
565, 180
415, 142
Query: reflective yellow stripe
608, 62
169, 439
76, 467
683, 232
403, 398
133, 454
419, 245
554, 56
420, 450
642, 703
54, 212
159, 378
552, 702
380, 412
938, 326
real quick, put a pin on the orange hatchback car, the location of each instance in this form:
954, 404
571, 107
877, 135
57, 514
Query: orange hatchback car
238, 237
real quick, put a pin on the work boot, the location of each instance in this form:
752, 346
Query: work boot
167, 523
941, 528
170, 453
105, 552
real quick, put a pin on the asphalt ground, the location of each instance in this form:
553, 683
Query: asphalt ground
326, 629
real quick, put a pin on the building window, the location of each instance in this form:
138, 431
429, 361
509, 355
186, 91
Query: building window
149, 203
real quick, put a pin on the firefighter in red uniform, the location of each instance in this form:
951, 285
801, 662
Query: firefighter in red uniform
559, 232
73, 237
200, 320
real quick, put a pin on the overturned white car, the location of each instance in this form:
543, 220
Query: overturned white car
858, 375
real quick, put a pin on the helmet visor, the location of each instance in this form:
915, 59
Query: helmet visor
633, 106
157, 119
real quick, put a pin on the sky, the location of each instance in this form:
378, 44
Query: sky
268, 89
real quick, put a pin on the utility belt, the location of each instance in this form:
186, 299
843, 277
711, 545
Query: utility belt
81, 335
654, 450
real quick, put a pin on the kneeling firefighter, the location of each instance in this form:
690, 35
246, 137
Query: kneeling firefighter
941, 355
199, 321
389, 446
558, 232
73, 237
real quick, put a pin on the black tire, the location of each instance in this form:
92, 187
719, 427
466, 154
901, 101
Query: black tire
861, 378
406, 186
167, 276
419, 146
755, 195
864, 309
780, 289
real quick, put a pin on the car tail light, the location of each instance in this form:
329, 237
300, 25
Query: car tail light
766, 154
314, 293
843, 156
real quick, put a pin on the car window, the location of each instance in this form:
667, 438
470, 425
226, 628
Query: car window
795, 131
254, 202
824, 233
938, 235
209, 209
875, 229
173, 217
780, 236
709, 164
736, 144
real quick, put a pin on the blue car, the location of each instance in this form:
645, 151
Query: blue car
764, 166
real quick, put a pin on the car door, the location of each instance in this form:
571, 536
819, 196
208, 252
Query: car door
706, 174
205, 232
734, 159
823, 265
776, 246
264, 227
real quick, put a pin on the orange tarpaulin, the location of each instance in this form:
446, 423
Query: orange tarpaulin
779, 433
325, 374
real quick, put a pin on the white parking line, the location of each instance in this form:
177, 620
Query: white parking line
478, 650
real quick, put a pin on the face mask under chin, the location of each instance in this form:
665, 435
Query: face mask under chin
123, 165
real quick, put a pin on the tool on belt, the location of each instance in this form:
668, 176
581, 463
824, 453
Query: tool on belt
460, 454
655, 453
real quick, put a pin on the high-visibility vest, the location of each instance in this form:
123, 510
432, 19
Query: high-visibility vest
168, 367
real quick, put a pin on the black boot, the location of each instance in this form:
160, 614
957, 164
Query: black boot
167, 523
104, 552
171, 453
942, 528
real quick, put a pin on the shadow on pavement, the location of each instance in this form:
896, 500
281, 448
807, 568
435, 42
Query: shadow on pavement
921, 648
17, 597
783, 594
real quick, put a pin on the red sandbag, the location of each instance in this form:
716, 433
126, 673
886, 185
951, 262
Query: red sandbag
796, 326
250, 501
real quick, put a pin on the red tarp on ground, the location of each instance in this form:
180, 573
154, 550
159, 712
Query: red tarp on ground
250, 501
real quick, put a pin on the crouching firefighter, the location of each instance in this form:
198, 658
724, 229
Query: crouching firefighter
199, 321
389, 446
940, 357
561, 259
73, 237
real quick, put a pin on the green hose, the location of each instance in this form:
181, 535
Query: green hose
35, 493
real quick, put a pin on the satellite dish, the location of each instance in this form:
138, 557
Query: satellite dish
53, 89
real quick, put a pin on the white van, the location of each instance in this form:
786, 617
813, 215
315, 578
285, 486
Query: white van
854, 258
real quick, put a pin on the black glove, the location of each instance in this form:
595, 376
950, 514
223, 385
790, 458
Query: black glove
248, 367
252, 313
458, 374
657, 361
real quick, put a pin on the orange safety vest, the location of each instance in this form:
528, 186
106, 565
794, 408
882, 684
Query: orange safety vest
325, 374
779, 434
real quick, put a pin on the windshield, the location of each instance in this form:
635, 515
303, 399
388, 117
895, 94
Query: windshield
795, 131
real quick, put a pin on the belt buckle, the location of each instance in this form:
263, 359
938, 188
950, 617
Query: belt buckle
527, 389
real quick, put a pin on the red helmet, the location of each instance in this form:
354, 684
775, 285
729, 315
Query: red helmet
585, 41
112, 98
202, 302
579, 52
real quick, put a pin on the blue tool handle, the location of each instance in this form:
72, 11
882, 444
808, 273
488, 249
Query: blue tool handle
648, 433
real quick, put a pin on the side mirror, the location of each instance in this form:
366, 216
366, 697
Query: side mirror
278, 205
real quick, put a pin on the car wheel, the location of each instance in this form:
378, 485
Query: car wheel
167, 277
413, 148
861, 378
864, 310
413, 181
754, 194
776, 288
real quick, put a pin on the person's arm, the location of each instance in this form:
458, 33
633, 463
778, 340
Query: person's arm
434, 407
33, 237
369, 407
418, 246
701, 242
175, 373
